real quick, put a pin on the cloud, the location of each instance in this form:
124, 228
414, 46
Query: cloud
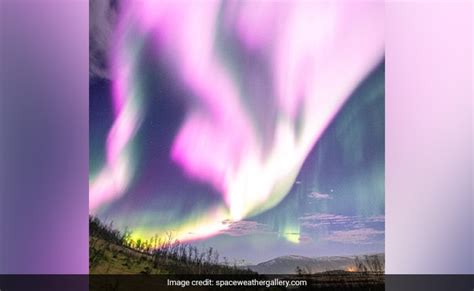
305, 238
344, 228
354, 236
319, 196
102, 21
376, 219
318, 220
245, 227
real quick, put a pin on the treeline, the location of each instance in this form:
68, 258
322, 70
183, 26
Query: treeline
362, 264
167, 253
369, 264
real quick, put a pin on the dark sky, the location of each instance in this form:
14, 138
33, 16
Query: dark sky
335, 207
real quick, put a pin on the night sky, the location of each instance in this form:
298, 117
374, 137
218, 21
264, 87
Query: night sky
334, 206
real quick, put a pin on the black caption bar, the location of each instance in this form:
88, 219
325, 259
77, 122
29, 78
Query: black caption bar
237, 282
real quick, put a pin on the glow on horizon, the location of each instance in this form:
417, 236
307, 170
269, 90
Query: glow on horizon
197, 227
220, 142
292, 233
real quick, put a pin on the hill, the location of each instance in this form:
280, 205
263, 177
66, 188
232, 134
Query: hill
113, 252
306, 265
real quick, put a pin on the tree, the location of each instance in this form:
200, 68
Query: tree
298, 270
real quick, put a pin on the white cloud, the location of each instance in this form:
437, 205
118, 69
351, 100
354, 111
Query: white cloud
319, 196
245, 227
102, 20
355, 236
344, 229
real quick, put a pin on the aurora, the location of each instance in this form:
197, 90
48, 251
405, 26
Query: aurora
215, 107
